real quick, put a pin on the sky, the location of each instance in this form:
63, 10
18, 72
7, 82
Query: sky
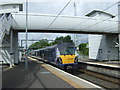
55, 6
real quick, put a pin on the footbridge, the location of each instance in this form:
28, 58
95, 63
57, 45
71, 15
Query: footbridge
43, 23
11, 23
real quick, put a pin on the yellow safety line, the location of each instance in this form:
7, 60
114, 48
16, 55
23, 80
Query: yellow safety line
71, 82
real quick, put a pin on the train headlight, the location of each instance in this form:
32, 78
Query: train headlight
76, 60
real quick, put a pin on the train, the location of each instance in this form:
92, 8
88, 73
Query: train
63, 55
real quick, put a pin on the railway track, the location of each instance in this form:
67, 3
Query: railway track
103, 80
103, 75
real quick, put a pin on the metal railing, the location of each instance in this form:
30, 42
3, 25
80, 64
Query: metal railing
5, 24
1, 66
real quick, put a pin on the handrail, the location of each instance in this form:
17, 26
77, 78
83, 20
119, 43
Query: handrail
2, 17
6, 24
9, 17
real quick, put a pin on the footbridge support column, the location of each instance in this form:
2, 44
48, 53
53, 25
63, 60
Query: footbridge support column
15, 46
11, 49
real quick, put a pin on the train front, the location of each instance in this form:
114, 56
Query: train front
68, 56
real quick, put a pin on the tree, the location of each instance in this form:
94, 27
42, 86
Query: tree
41, 44
44, 42
67, 39
62, 39
59, 40
82, 49
52, 43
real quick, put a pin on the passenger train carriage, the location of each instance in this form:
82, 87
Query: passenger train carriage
63, 55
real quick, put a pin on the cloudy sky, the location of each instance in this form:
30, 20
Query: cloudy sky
55, 6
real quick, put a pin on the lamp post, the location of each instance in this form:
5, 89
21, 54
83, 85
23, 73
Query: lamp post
119, 30
75, 13
26, 30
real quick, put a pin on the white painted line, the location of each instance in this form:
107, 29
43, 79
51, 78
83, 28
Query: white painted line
114, 66
45, 72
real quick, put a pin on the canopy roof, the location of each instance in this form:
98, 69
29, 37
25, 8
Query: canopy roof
100, 11
41, 22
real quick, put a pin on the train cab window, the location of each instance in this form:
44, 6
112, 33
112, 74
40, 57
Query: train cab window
67, 51
70, 50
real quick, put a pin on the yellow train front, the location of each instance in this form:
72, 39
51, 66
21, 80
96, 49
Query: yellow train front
67, 58
63, 55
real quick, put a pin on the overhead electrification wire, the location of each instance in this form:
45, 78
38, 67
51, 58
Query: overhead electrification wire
110, 27
100, 22
97, 23
59, 14
110, 6
90, 18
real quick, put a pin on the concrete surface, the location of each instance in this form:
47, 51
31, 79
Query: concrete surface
36, 77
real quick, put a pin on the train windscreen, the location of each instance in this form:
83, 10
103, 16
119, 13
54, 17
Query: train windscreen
68, 51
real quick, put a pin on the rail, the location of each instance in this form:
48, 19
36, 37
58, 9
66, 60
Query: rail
103, 75
99, 79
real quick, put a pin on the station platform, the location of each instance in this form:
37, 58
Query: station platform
112, 64
41, 75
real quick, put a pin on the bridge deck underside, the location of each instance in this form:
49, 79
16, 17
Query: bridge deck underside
67, 24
